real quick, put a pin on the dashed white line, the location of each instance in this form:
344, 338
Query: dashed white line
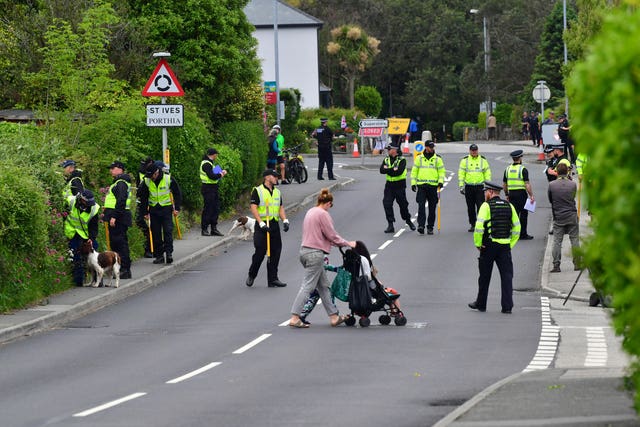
597, 354
385, 244
548, 344
109, 405
194, 373
252, 344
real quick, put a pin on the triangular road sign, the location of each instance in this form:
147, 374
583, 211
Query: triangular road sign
163, 82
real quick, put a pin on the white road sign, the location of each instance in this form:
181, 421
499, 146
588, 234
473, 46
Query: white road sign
541, 93
374, 123
165, 115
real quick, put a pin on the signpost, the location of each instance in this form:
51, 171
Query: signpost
541, 94
163, 83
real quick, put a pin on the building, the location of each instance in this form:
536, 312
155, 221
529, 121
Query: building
297, 48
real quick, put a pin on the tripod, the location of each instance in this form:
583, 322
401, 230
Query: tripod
573, 287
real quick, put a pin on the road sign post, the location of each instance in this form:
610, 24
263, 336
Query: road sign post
541, 94
163, 83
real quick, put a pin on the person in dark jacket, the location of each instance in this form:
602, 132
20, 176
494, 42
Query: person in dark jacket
160, 200
140, 219
74, 184
117, 213
210, 176
324, 135
394, 167
274, 150
562, 193
80, 225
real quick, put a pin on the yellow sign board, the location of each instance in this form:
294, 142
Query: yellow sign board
398, 126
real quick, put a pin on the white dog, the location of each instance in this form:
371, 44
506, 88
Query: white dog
101, 263
246, 224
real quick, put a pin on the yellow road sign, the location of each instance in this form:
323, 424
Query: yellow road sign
398, 126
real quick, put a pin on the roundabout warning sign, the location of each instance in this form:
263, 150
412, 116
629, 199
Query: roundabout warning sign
163, 82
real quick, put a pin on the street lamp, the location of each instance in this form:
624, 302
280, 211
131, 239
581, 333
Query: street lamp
487, 61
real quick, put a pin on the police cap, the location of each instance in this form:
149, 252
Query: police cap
558, 147
271, 172
429, 143
548, 148
87, 197
211, 151
516, 154
473, 147
117, 164
151, 169
67, 162
488, 185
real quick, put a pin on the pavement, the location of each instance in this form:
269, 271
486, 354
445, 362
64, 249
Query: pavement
566, 384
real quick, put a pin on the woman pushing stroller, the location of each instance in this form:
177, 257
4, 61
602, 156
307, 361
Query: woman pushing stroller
318, 235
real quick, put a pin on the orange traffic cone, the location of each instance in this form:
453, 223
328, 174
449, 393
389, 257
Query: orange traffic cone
405, 146
356, 153
541, 153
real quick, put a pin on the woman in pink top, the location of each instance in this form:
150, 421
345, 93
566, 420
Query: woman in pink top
318, 235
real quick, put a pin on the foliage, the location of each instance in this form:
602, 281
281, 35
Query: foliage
249, 143
354, 51
482, 120
216, 55
368, 99
503, 113
609, 134
310, 120
458, 129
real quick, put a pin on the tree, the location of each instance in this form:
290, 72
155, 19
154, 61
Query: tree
354, 50
368, 99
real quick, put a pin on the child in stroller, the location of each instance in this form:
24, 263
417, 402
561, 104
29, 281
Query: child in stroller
358, 262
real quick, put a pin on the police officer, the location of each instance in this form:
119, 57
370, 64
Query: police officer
160, 207
517, 187
140, 219
324, 135
210, 177
117, 213
473, 171
427, 177
496, 231
267, 206
395, 187
558, 155
74, 183
80, 225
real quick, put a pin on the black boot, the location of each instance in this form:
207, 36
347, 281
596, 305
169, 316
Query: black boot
412, 227
389, 228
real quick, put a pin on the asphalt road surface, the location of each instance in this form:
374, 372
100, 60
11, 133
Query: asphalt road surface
202, 349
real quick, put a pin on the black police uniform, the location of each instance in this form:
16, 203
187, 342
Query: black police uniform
324, 135
118, 233
395, 191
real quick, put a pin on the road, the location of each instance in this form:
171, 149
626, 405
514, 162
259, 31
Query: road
203, 349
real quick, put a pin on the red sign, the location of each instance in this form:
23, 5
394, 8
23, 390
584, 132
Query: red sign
371, 132
270, 97
163, 82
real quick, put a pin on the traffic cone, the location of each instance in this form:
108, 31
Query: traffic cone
405, 146
356, 153
541, 153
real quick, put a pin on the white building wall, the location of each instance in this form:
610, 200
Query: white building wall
298, 58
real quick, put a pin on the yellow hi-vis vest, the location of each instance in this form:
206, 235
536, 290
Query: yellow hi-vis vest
473, 171
204, 178
78, 221
514, 178
428, 171
270, 199
396, 163
159, 194
66, 192
110, 200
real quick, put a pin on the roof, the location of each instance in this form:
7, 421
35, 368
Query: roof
260, 14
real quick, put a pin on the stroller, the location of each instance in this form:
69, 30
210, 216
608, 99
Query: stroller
364, 296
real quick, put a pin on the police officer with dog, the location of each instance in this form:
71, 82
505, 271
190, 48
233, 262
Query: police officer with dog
497, 230
268, 210
160, 200
80, 225
117, 213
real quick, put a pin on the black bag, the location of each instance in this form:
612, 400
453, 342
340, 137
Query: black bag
360, 295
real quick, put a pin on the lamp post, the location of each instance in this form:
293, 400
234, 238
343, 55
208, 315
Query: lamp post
487, 62
564, 30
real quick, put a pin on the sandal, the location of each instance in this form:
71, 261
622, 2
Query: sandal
298, 324
340, 320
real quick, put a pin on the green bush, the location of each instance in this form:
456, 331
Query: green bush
604, 90
458, 130
368, 99
250, 143
482, 120
503, 114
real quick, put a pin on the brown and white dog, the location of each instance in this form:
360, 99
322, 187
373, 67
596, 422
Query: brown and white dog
246, 224
101, 263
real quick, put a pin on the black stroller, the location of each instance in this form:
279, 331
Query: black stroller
368, 296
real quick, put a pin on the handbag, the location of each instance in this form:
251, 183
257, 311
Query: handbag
341, 284
360, 295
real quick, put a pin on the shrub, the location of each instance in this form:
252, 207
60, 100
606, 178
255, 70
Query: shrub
458, 130
368, 99
604, 88
250, 143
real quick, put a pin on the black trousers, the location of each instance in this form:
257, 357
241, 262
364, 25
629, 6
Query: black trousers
120, 242
518, 198
142, 225
474, 196
211, 208
162, 229
260, 244
325, 157
501, 255
427, 193
399, 194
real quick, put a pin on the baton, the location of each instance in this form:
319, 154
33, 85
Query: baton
148, 221
268, 235
175, 217
106, 235
439, 211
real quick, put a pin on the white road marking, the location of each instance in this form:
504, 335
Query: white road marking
597, 354
194, 373
548, 344
109, 405
399, 232
252, 344
385, 244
